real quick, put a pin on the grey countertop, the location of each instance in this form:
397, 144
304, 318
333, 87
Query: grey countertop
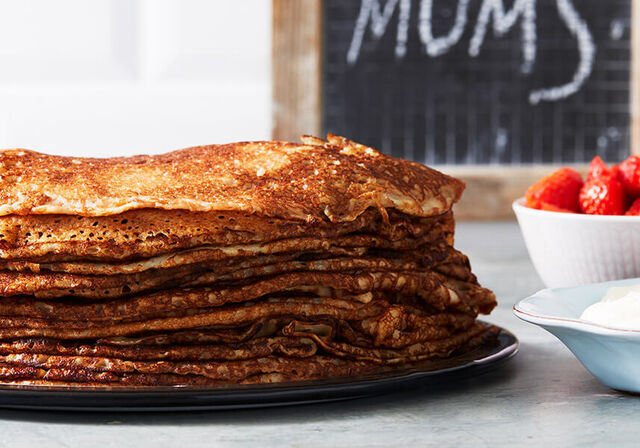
542, 396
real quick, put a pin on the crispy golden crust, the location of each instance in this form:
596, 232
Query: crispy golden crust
336, 180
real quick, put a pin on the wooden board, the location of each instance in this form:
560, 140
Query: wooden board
492, 189
296, 68
635, 78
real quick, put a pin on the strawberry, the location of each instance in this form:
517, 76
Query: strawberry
629, 175
634, 210
553, 208
559, 189
598, 169
604, 196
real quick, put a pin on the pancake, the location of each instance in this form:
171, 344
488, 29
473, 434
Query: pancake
410, 352
150, 231
302, 308
74, 251
431, 289
231, 264
300, 342
214, 369
335, 180
358, 360
189, 257
222, 334
296, 347
54, 284
261, 370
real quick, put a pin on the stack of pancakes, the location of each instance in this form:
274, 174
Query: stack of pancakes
241, 263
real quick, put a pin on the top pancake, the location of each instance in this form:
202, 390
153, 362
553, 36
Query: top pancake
335, 179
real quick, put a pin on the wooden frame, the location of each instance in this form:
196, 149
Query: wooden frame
297, 108
635, 77
296, 68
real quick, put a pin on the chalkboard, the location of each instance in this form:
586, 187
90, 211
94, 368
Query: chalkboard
479, 81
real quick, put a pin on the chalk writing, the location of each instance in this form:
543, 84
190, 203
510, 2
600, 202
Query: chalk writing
491, 12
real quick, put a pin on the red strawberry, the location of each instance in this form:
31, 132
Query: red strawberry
603, 196
634, 210
553, 208
559, 189
598, 169
629, 175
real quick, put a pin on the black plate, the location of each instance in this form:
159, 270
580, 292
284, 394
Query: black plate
471, 363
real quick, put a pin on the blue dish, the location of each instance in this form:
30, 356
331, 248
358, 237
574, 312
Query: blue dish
612, 355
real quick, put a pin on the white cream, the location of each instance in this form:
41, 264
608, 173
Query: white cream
619, 308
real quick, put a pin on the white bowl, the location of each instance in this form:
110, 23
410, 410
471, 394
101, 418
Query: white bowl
569, 249
612, 355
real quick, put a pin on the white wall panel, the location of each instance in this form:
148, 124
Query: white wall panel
120, 77
68, 40
207, 40
132, 121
